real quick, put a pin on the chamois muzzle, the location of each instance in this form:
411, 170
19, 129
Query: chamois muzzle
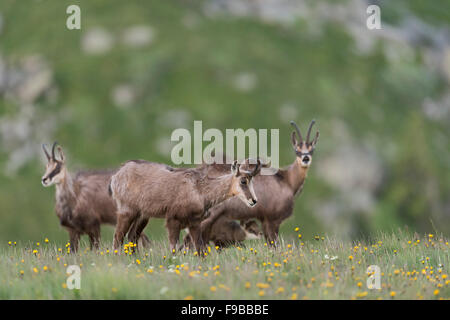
306, 159
252, 202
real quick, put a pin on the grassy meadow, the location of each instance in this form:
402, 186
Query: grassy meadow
412, 267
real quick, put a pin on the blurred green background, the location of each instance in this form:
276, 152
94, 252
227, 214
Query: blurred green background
136, 70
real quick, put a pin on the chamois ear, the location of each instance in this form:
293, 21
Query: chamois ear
235, 168
61, 154
313, 143
268, 164
294, 139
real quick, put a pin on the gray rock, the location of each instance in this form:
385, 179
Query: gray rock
97, 41
123, 96
355, 172
175, 118
138, 36
437, 110
288, 112
245, 81
37, 78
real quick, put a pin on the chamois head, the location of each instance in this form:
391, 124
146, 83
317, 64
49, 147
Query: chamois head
54, 172
304, 149
242, 185
251, 229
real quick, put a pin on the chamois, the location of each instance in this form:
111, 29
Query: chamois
82, 201
276, 193
226, 232
144, 190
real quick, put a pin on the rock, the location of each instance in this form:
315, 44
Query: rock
175, 118
36, 79
22, 133
26, 81
97, 41
355, 172
437, 110
245, 81
138, 36
288, 112
190, 20
123, 96
164, 146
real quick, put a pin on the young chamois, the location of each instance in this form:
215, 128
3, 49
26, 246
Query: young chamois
144, 190
276, 193
82, 201
226, 232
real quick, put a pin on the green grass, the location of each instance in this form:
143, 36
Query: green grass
412, 268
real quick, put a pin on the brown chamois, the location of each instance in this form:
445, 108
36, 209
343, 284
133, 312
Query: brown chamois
82, 201
144, 190
226, 232
276, 193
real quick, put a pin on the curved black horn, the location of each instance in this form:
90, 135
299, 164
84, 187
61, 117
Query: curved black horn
235, 167
257, 168
262, 164
53, 150
247, 160
309, 130
298, 131
45, 151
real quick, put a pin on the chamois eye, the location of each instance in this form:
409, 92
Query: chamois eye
243, 181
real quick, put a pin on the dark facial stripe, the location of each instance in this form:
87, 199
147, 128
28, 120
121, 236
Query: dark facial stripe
55, 171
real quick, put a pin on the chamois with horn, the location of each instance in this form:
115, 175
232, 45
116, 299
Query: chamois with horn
276, 193
82, 200
144, 190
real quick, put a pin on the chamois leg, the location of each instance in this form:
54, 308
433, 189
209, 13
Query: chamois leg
132, 232
207, 224
270, 230
74, 237
196, 237
187, 242
136, 231
144, 241
173, 228
94, 237
124, 221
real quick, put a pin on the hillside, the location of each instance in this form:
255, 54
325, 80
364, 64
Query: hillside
117, 88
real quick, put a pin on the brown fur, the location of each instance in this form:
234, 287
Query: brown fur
82, 201
226, 232
276, 194
145, 190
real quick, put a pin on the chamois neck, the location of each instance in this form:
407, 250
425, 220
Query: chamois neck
296, 175
65, 187
215, 190
65, 199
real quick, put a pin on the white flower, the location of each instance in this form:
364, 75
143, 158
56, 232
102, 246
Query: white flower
163, 290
